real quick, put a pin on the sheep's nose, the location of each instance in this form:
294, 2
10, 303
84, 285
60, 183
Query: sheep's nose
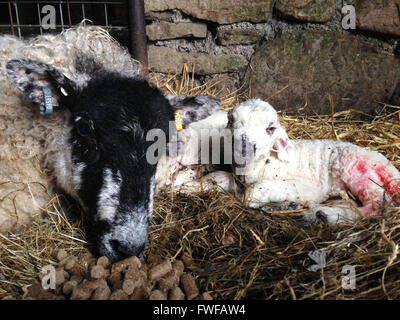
124, 250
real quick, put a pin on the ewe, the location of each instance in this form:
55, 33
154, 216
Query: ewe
74, 114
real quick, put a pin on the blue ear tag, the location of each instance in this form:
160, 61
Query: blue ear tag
47, 108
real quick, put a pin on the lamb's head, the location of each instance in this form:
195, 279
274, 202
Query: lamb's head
257, 132
104, 162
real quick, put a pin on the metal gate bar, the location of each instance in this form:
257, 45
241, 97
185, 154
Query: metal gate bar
137, 30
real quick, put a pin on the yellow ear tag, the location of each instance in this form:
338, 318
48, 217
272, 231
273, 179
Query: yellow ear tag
178, 121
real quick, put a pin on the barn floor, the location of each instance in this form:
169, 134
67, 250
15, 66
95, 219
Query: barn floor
243, 253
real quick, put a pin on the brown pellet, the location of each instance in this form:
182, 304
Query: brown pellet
119, 295
138, 294
136, 278
104, 262
61, 276
203, 296
67, 260
187, 260
87, 261
145, 281
98, 279
81, 292
178, 266
189, 287
76, 277
46, 295
133, 269
34, 289
170, 280
176, 294
160, 270
206, 296
73, 267
122, 265
134, 274
68, 287
157, 295
114, 278
143, 266
94, 284
98, 272
61, 255
129, 285
101, 293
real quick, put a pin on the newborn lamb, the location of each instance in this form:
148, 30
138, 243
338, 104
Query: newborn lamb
274, 168
189, 166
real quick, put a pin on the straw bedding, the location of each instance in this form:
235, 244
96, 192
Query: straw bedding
240, 252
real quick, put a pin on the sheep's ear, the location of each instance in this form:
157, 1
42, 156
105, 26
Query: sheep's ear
38, 81
194, 108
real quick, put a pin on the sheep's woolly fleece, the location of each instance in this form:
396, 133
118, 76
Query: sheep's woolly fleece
28, 141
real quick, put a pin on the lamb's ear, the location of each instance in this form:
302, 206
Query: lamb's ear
283, 146
194, 108
34, 78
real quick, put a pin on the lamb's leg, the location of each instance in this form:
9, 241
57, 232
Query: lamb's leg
305, 195
374, 180
217, 180
281, 191
334, 214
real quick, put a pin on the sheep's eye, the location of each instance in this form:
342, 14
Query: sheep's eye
84, 129
270, 130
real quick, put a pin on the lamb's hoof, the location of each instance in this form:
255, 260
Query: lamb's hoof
328, 215
293, 206
331, 214
316, 216
321, 217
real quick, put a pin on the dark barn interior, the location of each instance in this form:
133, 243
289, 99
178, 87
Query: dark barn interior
23, 18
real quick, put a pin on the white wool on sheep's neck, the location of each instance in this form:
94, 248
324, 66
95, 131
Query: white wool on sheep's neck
151, 201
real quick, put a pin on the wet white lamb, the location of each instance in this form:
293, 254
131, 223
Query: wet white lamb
307, 172
184, 168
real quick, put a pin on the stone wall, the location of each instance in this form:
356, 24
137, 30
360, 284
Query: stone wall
295, 53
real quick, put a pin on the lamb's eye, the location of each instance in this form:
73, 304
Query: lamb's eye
270, 130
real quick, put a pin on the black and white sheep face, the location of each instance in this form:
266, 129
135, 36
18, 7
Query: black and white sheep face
257, 132
110, 119
104, 163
